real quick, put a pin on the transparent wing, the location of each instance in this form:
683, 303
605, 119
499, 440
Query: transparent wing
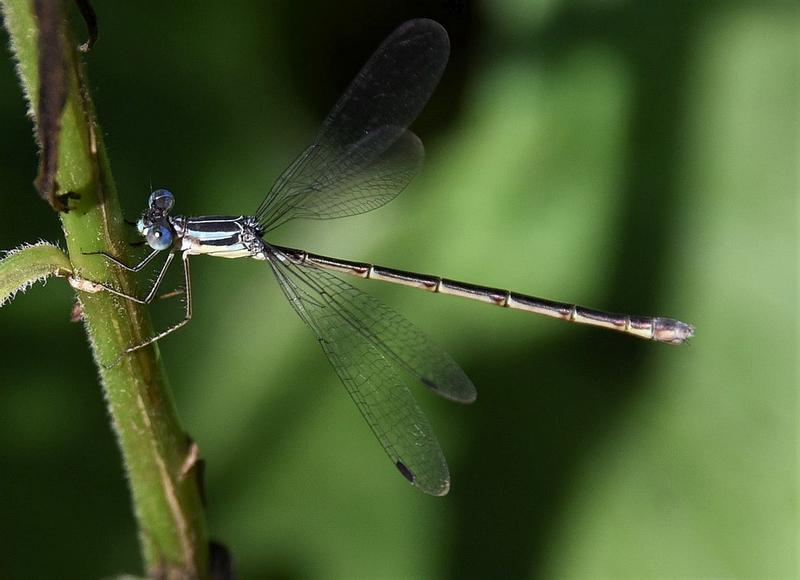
393, 334
358, 181
368, 344
364, 154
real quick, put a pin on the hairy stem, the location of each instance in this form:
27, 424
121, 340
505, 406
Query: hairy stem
166, 496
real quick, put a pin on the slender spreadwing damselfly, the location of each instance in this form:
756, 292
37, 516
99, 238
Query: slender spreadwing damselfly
362, 158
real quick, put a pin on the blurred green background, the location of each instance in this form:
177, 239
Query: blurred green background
633, 156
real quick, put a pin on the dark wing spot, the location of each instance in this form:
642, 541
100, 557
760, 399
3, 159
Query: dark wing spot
429, 383
401, 467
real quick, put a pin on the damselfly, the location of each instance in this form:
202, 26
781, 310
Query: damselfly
364, 156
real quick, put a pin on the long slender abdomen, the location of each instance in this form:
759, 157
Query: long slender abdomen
666, 330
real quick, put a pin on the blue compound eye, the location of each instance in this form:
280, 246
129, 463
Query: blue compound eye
159, 237
161, 199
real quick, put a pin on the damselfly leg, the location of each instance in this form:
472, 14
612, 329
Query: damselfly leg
187, 290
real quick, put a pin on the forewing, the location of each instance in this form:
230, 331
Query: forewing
363, 178
371, 116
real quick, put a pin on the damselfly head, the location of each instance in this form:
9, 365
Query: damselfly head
155, 225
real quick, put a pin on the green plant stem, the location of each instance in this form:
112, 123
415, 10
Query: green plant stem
166, 497
28, 264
